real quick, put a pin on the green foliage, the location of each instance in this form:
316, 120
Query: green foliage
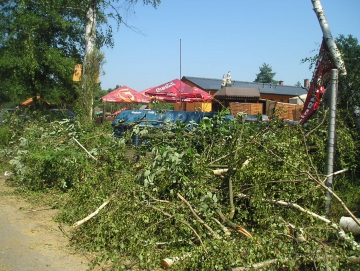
148, 217
266, 75
41, 41
39, 46
349, 85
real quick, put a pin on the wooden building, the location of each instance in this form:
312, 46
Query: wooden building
278, 92
252, 97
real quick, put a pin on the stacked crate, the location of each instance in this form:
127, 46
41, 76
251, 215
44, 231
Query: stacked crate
248, 108
288, 111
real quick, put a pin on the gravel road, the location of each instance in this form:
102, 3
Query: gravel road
31, 240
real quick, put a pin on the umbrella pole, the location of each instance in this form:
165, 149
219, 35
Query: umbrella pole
103, 114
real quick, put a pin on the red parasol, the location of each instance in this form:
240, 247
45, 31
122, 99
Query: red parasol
125, 94
177, 91
205, 97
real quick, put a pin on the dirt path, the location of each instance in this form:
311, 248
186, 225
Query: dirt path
31, 240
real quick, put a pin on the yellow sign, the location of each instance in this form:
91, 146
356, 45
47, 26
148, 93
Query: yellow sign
77, 73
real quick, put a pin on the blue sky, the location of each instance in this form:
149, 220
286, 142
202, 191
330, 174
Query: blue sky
221, 36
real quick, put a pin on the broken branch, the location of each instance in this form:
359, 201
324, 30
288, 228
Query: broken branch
239, 229
183, 222
197, 217
84, 149
92, 214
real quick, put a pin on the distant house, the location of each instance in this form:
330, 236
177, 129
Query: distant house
278, 92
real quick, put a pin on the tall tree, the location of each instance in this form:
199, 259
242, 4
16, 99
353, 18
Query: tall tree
349, 94
95, 12
266, 75
40, 42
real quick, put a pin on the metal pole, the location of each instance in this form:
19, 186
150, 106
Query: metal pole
180, 59
180, 78
331, 135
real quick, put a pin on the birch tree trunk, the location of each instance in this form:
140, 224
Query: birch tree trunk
90, 37
334, 51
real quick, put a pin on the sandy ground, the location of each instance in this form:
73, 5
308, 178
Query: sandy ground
31, 240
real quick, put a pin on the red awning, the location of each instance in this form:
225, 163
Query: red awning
125, 94
177, 91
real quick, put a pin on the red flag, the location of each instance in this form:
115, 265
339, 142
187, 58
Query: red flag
321, 77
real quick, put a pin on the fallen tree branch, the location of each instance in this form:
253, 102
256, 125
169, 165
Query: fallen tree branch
157, 223
197, 217
349, 225
339, 200
168, 262
84, 149
341, 233
336, 173
238, 228
258, 265
317, 181
220, 171
158, 200
226, 155
63, 231
231, 199
224, 170
76, 224
349, 260
183, 222
226, 230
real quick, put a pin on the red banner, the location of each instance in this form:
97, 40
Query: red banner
321, 77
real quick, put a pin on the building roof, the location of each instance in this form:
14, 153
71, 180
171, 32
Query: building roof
231, 93
265, 88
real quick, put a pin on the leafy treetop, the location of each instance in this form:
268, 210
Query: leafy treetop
266, 75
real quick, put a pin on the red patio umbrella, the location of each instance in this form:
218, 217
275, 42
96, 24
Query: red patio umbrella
125, 94
205, 97
177, 91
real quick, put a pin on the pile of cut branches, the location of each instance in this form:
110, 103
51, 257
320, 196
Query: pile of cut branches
222, 196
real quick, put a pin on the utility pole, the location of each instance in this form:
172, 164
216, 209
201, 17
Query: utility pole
331, 137
339, 63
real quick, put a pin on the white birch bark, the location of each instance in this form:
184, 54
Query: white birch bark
334, 51
90, 37
349, 225
90, 34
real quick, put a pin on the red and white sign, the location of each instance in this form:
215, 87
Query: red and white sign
125, 94
177, 91
321, 77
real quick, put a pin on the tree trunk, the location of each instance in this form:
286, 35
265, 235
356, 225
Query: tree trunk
349, 225
334, 51
90, 37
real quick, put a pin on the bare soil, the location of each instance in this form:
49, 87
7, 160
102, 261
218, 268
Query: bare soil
31, 240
